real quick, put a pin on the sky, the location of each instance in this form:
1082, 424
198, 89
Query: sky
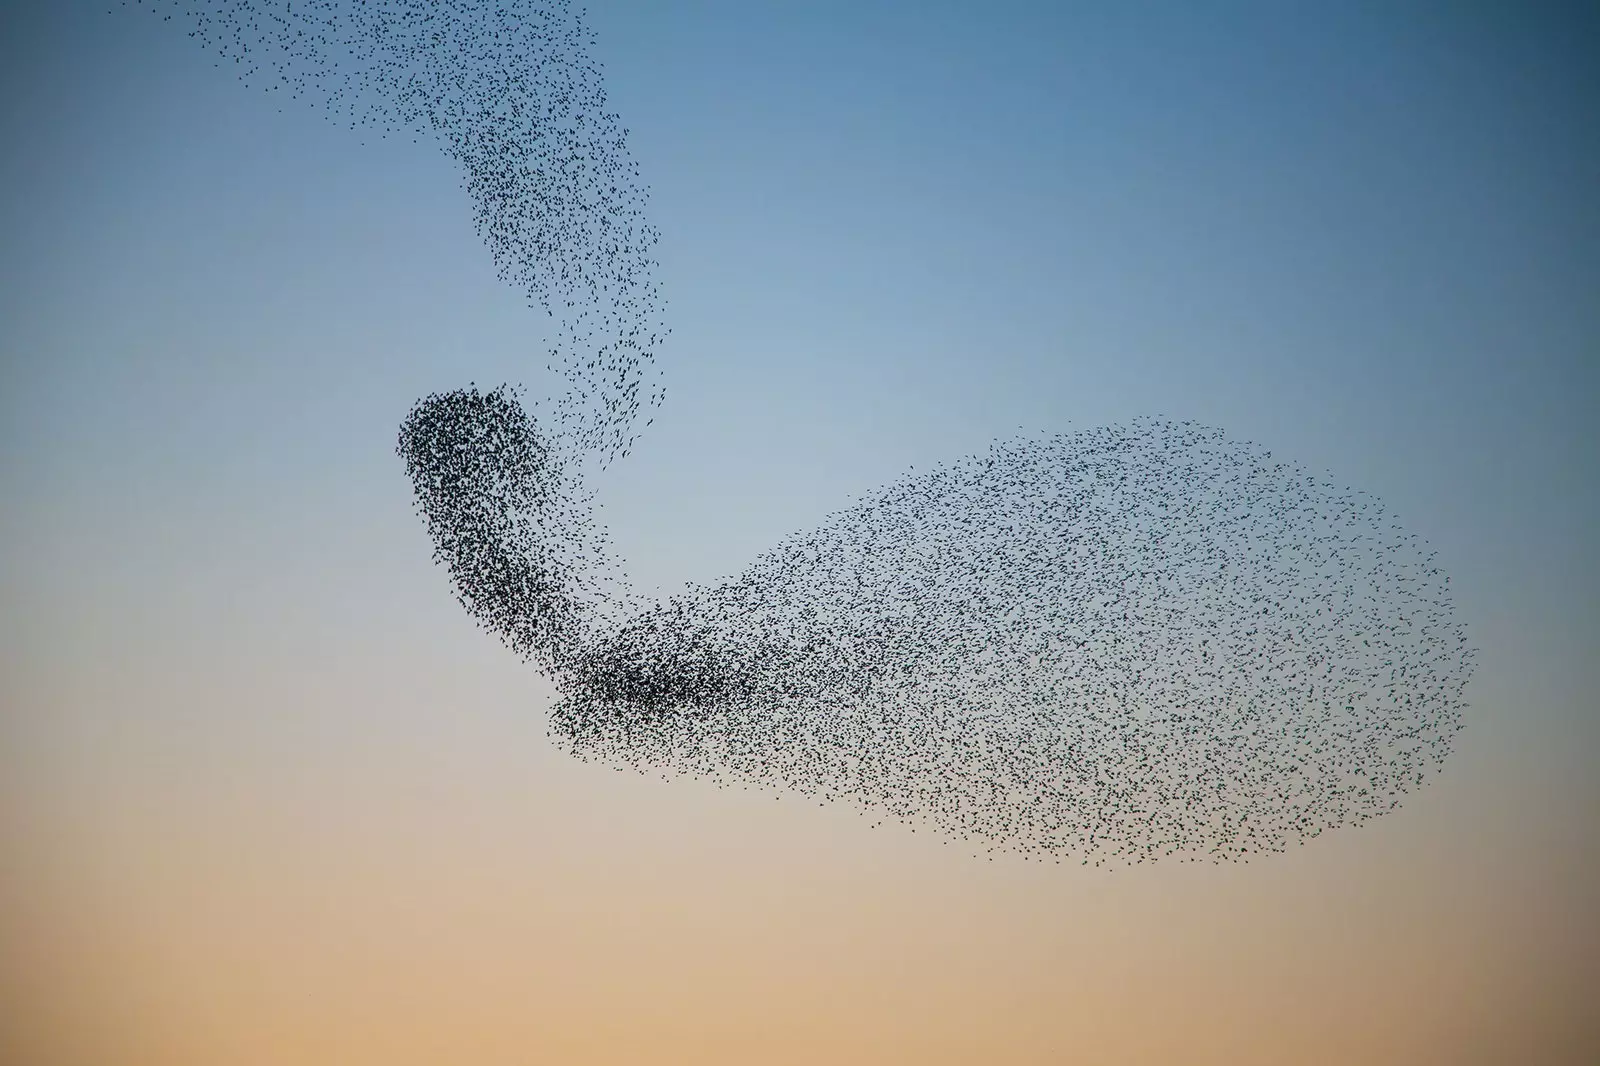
267, 795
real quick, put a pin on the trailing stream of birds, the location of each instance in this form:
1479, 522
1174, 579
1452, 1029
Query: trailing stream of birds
1117, 645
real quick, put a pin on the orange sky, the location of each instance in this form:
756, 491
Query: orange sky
186, 891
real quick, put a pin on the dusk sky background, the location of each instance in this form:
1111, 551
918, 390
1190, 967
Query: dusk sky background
267, 796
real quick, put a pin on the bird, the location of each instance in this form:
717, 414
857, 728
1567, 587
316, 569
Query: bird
1130, 643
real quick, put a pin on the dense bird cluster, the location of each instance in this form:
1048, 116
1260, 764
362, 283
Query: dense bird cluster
1120, 644
509, 90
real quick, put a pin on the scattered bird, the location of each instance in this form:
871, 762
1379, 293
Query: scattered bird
1122, 644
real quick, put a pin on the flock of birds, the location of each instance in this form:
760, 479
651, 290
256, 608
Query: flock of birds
1116, 645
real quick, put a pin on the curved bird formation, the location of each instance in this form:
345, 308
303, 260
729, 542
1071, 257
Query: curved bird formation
1121, 644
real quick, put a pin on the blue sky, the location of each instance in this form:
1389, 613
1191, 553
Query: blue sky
1362, 235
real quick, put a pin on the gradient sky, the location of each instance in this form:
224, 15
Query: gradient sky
266, 795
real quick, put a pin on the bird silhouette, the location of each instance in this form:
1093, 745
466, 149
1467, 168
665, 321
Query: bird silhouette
1121, 644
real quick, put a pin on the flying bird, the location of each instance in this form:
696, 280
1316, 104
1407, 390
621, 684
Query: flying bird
1121, 644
